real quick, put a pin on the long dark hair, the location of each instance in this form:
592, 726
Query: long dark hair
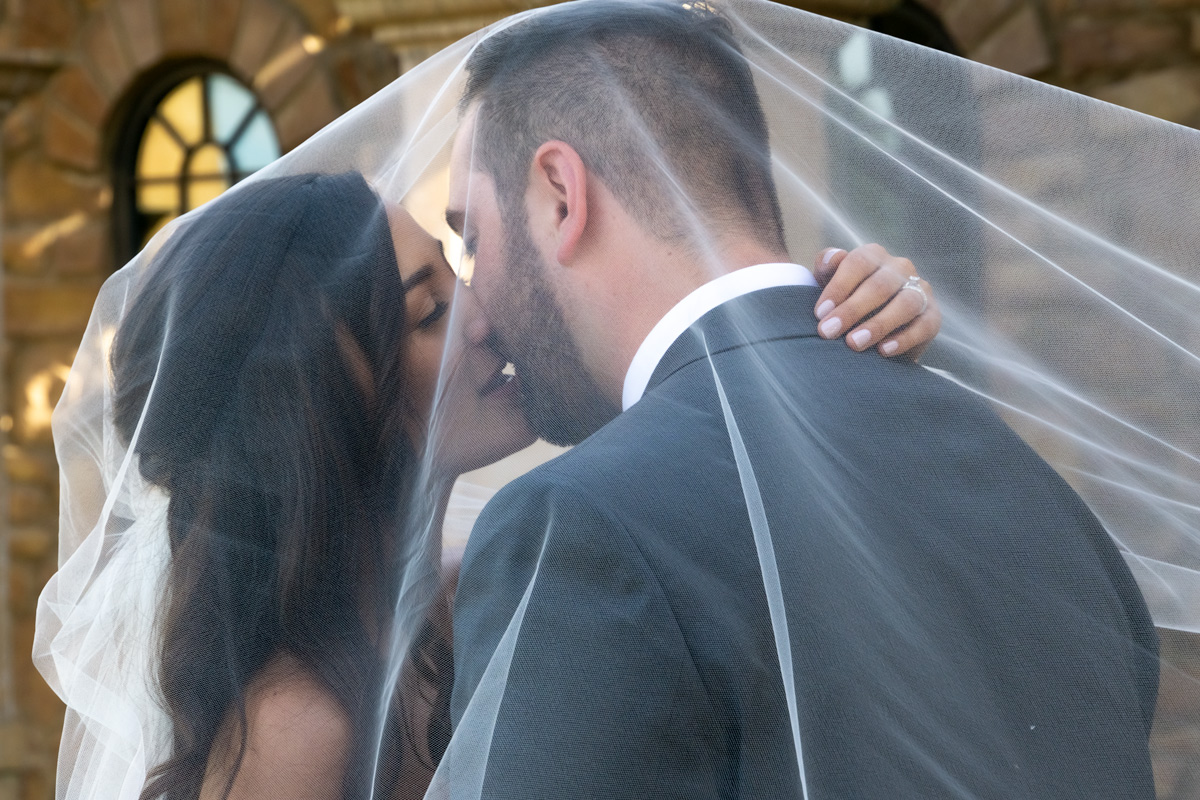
263, 359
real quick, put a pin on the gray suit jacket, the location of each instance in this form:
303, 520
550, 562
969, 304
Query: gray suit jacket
960, 624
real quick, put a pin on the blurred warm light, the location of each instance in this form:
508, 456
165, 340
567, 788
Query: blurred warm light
41, 393
308, 46
343, 25
51, 233
6, 423
312, 44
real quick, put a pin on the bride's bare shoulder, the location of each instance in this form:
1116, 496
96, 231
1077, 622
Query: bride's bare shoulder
298, 739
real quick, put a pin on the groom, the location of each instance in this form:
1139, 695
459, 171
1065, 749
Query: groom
730, 599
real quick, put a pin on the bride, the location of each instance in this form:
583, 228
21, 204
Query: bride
275, 372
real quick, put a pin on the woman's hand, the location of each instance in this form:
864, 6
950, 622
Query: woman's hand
868, 281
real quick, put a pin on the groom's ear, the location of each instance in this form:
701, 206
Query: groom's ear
558, 198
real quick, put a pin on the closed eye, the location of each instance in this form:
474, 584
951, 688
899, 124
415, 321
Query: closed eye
439, 310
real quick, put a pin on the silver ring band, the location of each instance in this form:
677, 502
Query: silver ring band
914, 283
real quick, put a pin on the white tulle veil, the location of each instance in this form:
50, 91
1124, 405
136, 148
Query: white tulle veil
1058, 231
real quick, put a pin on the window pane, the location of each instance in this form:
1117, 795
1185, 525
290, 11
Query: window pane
257, 147
201, 191
159, 155
208, 162
184, 109
229, 103
208, 175
158, 198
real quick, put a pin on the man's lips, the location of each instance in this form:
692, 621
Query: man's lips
497, 381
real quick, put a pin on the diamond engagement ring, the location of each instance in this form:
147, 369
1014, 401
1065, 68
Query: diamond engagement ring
914, 283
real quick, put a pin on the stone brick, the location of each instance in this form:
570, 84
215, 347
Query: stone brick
1099, 44
363, 69
1110, 6
320, 15
30, 465
21, 253
33, 245
258, 29
307, 110
969, 21
182, 25
47, 310
69, 140
35, 699
85, 251
22, 590
22, 125
38, 783
12, 746
31, 544
283, 72
77, 91
222, 26
28, 504
1171, 94
38, 191
137, 21
1019, 45
105, 55
46, 24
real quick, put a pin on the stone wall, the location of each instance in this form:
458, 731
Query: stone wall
57, 204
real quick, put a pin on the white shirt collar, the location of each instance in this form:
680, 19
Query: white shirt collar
691, 308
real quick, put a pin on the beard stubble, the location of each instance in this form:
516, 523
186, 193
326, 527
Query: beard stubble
562, 402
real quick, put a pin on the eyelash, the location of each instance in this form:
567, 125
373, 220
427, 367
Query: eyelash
439, 311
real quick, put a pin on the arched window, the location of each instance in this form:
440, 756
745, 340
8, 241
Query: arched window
191, 134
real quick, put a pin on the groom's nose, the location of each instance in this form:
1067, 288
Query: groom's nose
478, 330
475, 325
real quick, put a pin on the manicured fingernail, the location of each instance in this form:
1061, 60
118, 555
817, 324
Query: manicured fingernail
860, 338
889, 348
824, 308
830, 327
829, 254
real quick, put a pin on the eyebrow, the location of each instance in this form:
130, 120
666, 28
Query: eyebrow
420, 276
454, 218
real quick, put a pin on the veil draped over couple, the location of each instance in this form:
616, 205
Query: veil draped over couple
782, 558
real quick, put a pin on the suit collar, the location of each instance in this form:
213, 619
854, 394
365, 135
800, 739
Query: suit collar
783, 312
695, 305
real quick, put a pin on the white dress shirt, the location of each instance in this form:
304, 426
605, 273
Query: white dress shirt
691, 308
